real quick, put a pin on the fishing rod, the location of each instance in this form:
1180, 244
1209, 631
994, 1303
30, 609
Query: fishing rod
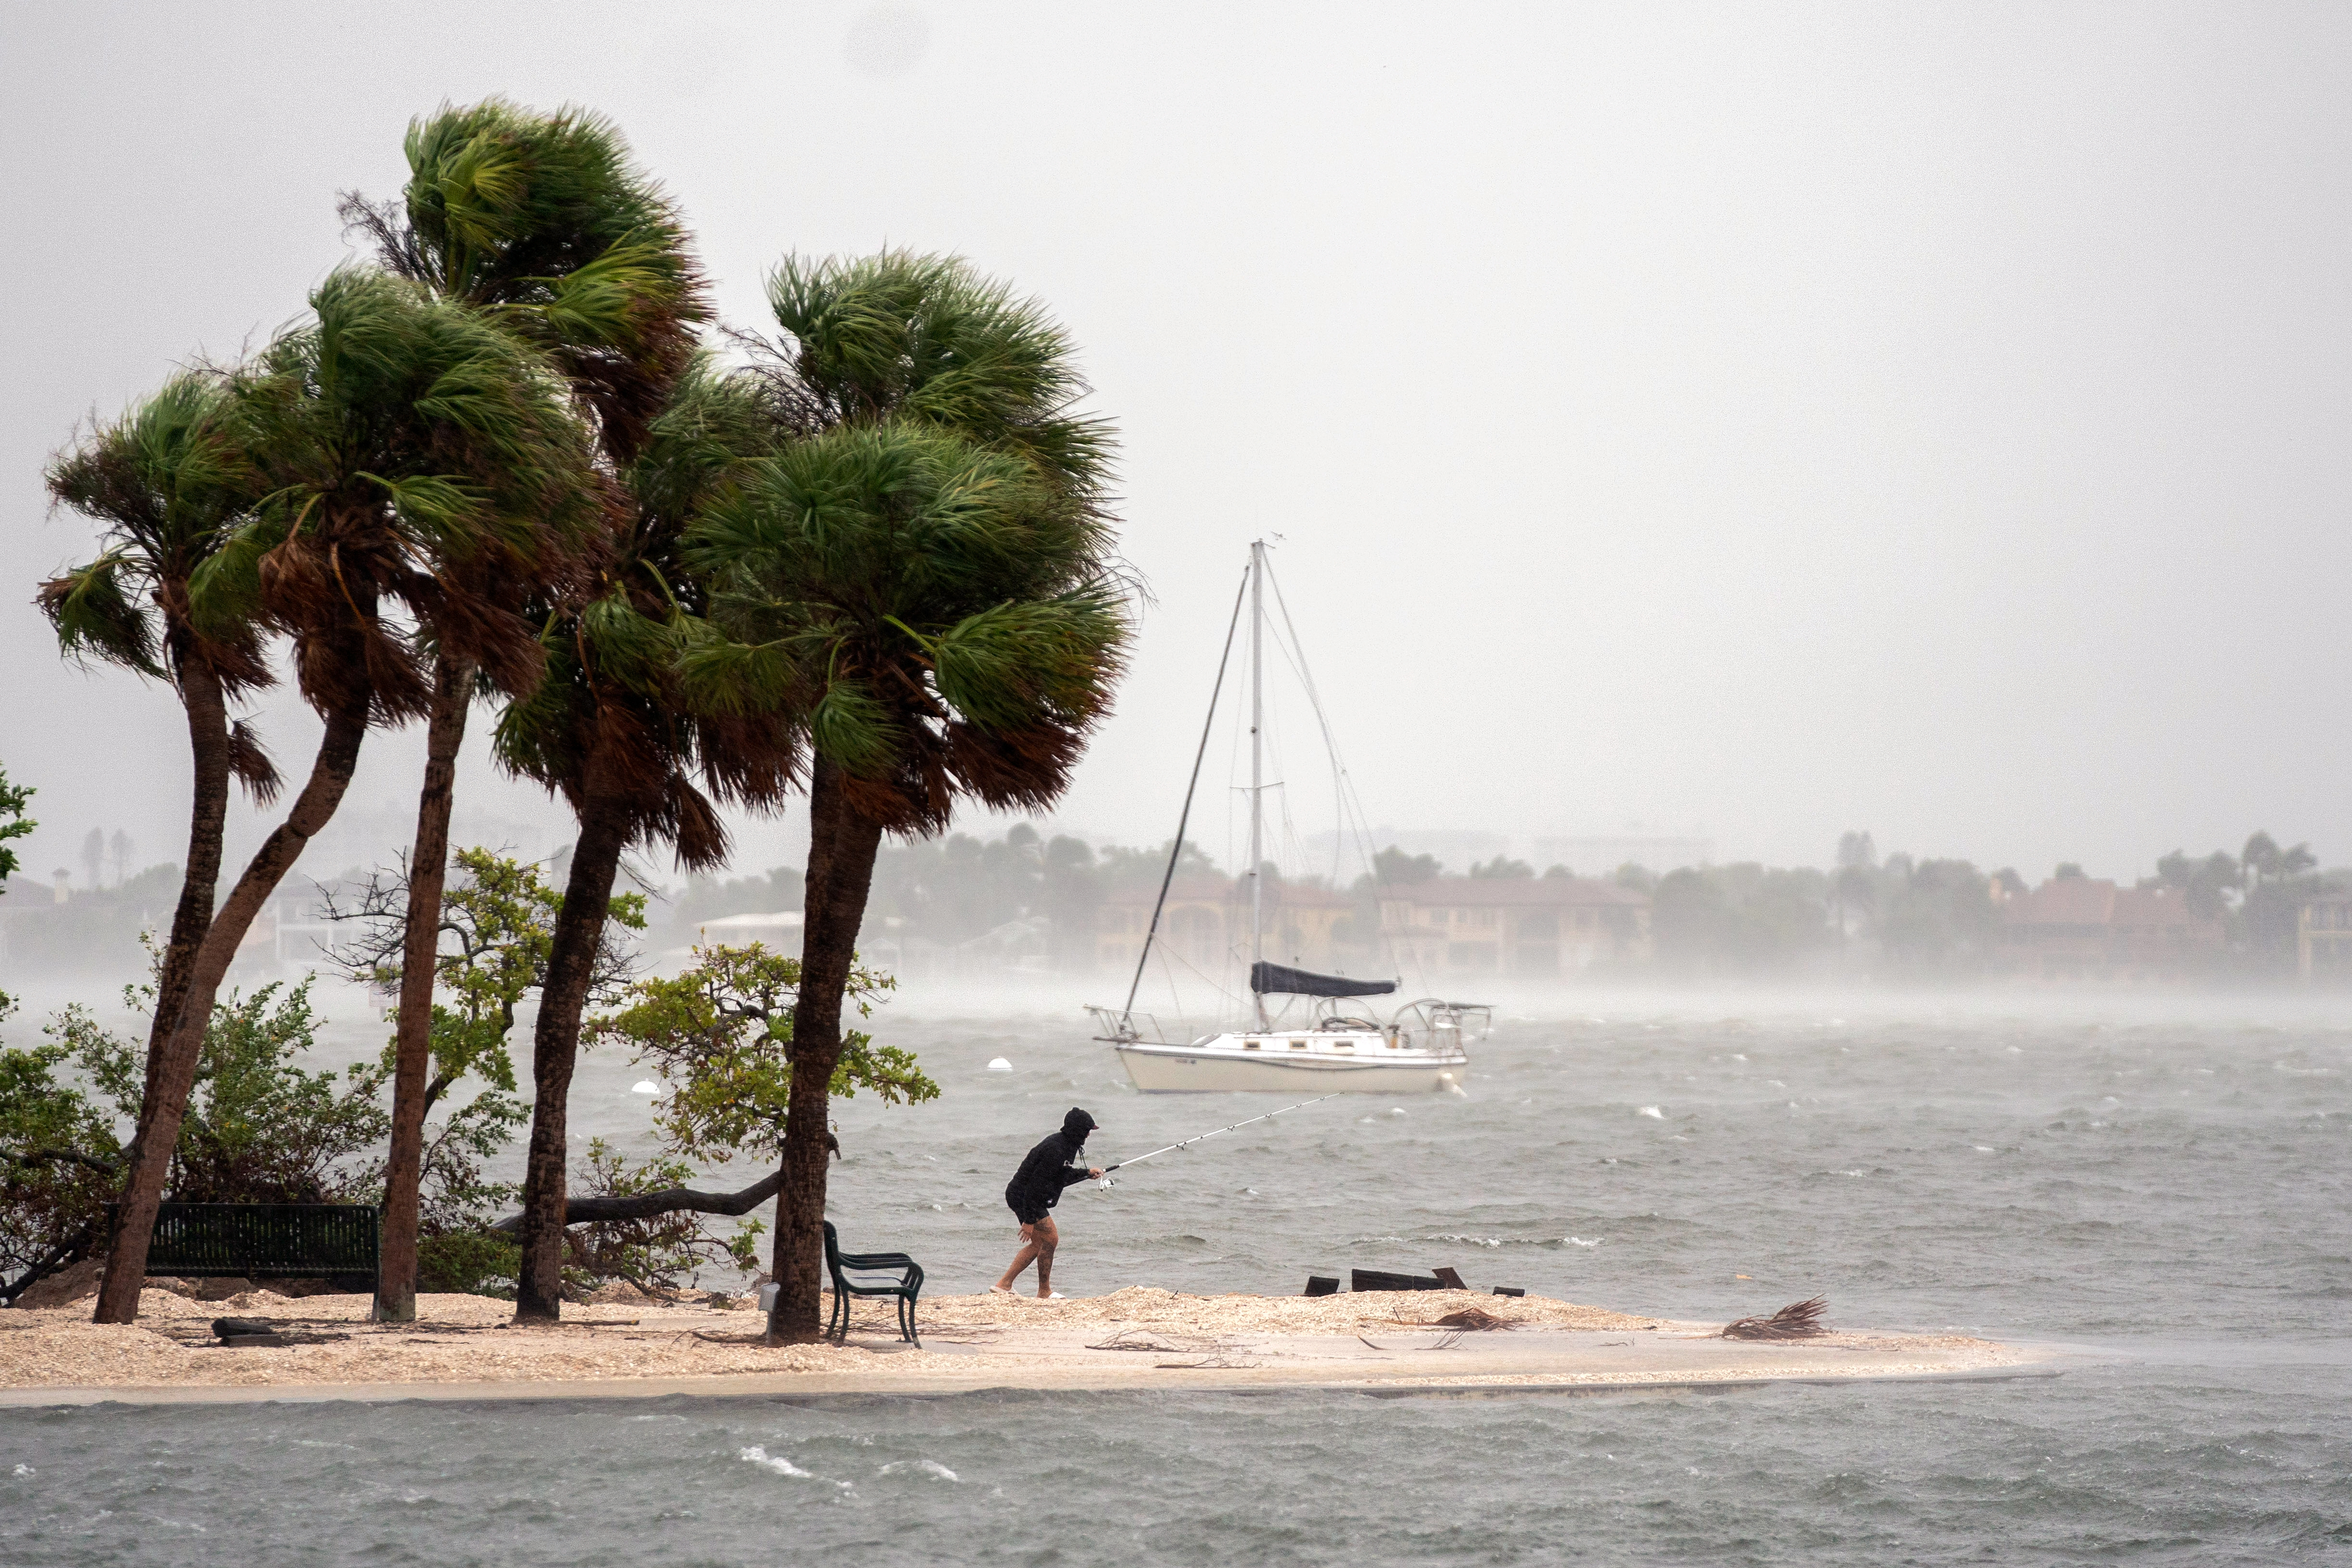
1188, 1142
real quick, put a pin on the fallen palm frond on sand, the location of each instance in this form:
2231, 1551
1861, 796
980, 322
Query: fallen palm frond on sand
1470, 1319
1797, 1320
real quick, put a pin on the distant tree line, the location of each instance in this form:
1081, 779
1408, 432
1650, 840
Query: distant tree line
1897, 916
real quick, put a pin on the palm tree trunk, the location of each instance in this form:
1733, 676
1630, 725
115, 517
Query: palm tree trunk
149, 1160
841, 846
207, 710
428, 866
555, 1047
208, 713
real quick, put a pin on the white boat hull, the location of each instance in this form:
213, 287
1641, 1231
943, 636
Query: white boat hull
1220, 1067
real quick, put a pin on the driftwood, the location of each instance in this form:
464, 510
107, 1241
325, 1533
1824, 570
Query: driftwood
260, 1333
1797, 1320
669, 1200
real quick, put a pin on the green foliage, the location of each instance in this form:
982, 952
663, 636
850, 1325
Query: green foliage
1503, 867
497, 930
259, 1128
2207, 883
660, 1251
1738, 918
57, 1152
1939, 917
409, 449
13, 825
612, 675
169, 483
469, 1263
721, 1034
953, 889
544, 217
918, 585
1392, 868
2271, 914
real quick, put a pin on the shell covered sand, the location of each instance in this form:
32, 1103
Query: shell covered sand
970, 1340
1149, 1306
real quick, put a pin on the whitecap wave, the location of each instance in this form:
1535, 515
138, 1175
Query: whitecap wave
1650, 1110
756, 1455
927, 1466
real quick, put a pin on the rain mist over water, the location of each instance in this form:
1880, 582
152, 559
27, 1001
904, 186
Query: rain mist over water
2159, 1184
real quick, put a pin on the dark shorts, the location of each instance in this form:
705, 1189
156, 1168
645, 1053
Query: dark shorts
1027, 1213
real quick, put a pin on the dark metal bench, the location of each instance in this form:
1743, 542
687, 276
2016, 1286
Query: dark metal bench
904, 1281
336, 1242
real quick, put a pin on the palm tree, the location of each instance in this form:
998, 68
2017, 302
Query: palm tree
544, 219
610, 730
540, 220
918, 593
2260, 859
167, 483
400, 444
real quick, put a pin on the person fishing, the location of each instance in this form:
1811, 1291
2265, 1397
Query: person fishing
1034, 1191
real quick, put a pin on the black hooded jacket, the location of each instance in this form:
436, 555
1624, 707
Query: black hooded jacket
1038, 1185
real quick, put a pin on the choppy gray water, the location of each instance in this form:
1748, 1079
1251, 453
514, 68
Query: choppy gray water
2165, 1189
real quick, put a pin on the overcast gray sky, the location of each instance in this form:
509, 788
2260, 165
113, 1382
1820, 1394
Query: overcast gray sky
1755, 420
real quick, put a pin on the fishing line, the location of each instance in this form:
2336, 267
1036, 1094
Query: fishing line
1188, 1142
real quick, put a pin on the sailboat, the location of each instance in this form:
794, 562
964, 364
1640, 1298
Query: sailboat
1305, 1043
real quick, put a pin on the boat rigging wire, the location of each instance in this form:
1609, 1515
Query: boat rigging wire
1176, 851
1188, 1142
1349, 808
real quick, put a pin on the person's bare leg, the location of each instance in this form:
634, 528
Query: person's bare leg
1021, 1259
1047, 1239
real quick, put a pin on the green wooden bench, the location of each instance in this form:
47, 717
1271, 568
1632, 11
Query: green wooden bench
901, 1277
336, 1242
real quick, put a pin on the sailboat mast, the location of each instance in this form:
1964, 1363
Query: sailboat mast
1257, 787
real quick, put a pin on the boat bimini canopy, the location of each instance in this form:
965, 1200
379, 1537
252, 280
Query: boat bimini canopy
1281, 980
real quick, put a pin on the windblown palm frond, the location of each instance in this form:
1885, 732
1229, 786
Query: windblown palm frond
902, 334
612, 718
413, 453
917, 607
546, 220
169, 485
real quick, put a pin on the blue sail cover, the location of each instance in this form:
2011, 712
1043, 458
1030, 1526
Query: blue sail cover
1282, 980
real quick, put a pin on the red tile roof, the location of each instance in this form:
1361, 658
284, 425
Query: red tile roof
2062, 901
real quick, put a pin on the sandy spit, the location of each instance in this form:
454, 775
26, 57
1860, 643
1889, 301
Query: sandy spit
987, 1340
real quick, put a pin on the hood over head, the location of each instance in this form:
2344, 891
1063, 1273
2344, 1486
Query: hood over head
1077, 1125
